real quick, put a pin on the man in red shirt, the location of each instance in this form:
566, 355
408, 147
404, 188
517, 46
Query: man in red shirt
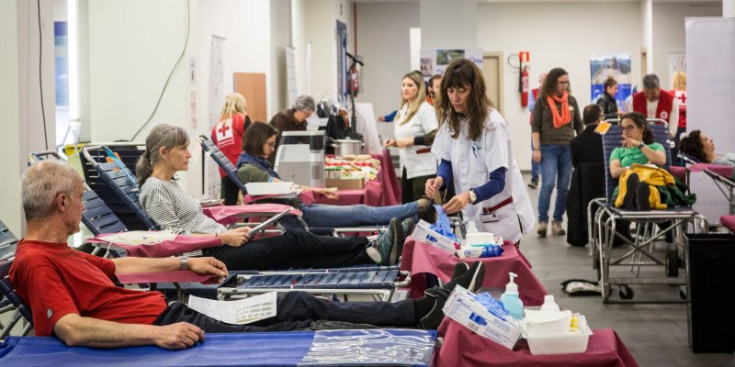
653, 102
72, 295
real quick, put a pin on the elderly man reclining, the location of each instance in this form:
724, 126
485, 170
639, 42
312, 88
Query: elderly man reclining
72, 295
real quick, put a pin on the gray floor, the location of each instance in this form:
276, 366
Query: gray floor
656, 334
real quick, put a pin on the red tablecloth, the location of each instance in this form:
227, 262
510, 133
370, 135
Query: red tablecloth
179, 245
228, 214
421, 258
464, 348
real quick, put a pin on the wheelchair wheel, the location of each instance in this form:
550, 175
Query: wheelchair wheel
672, 261
626, 292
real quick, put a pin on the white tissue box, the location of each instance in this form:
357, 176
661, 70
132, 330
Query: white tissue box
462, 308
479, 238
423, 233
561, 343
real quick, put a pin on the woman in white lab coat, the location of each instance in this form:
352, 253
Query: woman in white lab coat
414, 129
473, 144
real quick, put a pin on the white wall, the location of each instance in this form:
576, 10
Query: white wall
133, 45
10, 204
298, 38
280, 37
669, 32
320, 29
577, 33
383, 40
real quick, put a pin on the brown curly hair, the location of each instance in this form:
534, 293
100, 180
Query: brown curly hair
463, 73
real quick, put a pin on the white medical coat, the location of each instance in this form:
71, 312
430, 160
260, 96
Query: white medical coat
421, 123
472, 162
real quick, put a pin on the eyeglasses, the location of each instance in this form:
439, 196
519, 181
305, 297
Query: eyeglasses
273, 144
628, 128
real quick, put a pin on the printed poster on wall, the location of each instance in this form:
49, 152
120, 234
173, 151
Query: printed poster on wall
617, 66
211, 185
677, 62
435, 61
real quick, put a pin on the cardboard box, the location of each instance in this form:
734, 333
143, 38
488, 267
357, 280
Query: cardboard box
346, 183
462, 308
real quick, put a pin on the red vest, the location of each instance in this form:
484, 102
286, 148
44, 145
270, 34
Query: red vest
665, 101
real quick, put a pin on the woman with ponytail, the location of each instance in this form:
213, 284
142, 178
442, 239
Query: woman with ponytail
173, 209
227, 135
554, 121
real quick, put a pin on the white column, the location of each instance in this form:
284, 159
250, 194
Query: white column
728, 8
647, 32
10, 205
448, 23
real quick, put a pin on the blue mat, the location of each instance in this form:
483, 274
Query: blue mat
395, 347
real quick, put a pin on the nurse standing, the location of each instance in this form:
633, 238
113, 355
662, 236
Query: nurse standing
473, 144
414, 129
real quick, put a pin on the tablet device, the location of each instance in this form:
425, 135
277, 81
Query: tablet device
268, 222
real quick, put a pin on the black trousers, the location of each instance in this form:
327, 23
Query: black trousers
297, 311
413, 189
294, 249
229, 191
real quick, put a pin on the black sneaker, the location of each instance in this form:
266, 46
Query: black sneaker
383, 249
533, 184
470, 280
434, 318
407, 225
629, 201
459, 269
643, 191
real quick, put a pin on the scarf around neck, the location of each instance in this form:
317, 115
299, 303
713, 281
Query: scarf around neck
563, 118
259, 162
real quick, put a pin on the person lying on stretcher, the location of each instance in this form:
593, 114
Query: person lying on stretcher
72, 295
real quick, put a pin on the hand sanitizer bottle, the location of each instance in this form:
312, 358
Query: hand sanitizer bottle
511, 300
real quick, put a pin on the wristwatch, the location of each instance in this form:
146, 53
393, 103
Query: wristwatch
183, 265
641, 145
473, 196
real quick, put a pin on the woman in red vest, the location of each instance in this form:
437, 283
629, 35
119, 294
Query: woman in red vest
227, 135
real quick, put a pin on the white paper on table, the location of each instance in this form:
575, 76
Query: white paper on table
238, 312
134, 238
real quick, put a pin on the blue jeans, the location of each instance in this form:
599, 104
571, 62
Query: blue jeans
556, 167
535, 167
323, 215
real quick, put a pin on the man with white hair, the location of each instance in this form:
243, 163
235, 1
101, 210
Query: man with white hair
653, 102
72, 295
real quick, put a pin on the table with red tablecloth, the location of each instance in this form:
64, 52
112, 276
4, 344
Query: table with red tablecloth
420, 258
462, 347
384, 190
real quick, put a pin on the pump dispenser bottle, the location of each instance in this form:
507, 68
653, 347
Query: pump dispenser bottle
511, 299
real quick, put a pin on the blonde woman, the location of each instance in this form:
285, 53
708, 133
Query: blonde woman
227, 135
679, 83
414, 130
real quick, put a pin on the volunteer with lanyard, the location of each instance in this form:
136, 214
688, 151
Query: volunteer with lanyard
473, 144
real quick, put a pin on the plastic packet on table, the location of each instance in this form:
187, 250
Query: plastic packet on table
483, 251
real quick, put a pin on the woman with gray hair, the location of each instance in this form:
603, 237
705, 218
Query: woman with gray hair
292, 119
172, 208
